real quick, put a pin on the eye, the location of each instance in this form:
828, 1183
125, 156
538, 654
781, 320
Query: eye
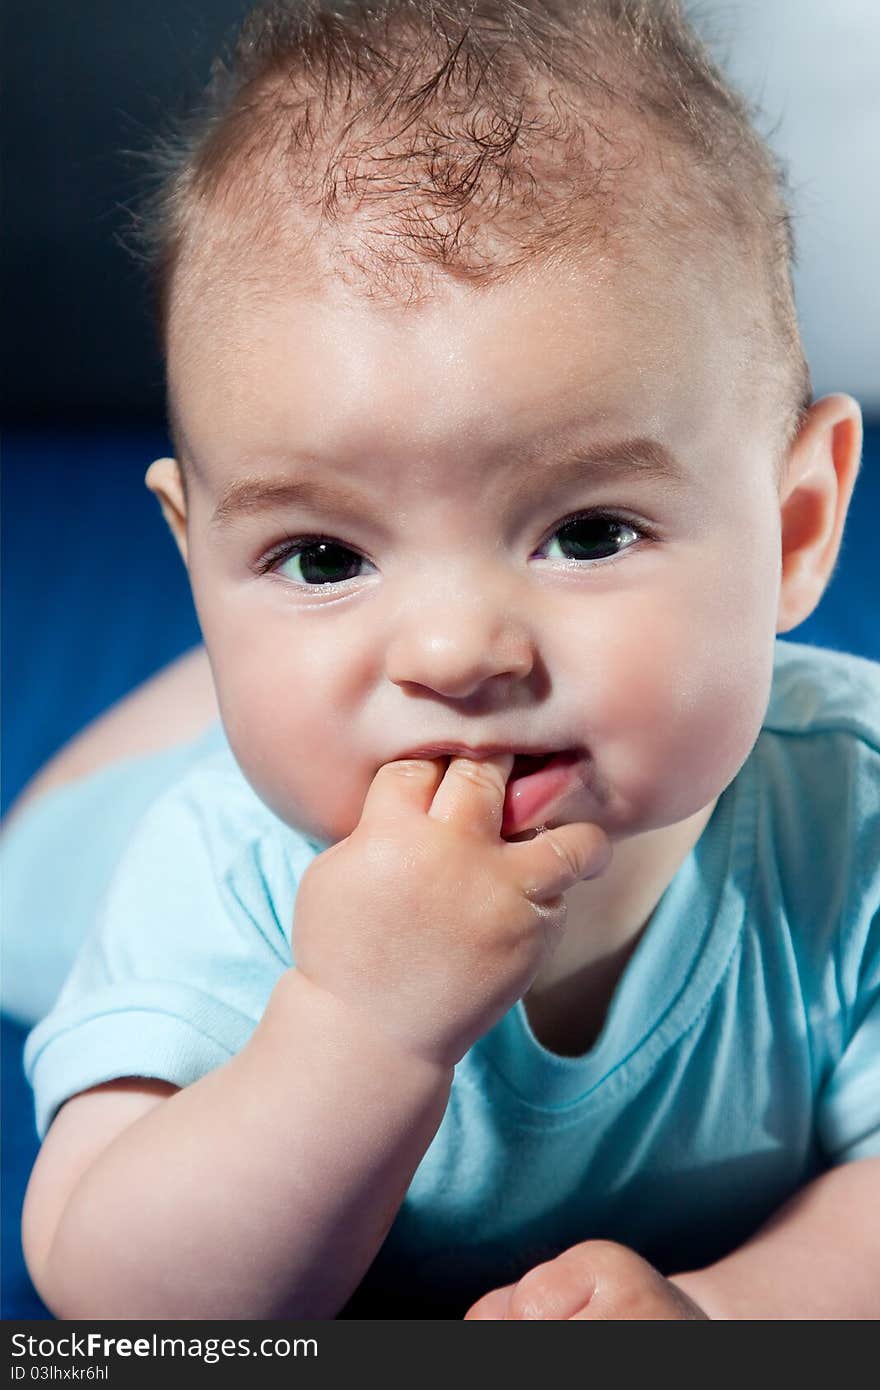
313, 562
592, 536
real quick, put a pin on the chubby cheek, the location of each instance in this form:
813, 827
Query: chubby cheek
672, 717
292, 724
704, 723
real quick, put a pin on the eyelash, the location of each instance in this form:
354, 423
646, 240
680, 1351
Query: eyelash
291, 546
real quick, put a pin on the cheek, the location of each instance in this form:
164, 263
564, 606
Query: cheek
675, 702
708, 716
289, 710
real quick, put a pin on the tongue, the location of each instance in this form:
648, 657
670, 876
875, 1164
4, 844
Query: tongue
533, 783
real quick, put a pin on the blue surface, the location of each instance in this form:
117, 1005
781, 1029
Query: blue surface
95, 595
95, 599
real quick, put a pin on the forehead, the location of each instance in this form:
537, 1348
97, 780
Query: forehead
256, 370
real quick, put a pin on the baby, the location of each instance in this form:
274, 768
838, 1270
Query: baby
512, 950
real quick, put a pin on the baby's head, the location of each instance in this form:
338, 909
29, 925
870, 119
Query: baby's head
491, 418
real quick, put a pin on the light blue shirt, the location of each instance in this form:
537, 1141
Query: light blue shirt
740, 1055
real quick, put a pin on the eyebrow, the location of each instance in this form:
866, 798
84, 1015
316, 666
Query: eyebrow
640, 457
257, 494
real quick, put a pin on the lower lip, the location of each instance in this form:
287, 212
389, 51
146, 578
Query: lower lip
527, 797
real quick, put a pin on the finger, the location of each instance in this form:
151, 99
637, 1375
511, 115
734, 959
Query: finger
472, 794
406, 785
556, 859
492, 1307
556, 1290
640, 1302
619, 1285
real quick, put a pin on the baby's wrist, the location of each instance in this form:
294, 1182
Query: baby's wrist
343, 1023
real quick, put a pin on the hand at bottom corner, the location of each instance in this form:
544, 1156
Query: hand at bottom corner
597, 1280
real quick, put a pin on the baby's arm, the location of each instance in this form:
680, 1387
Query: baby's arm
817, 1258
263, 1190
266, 1188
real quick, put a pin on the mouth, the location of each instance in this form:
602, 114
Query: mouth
524, 764
536, 784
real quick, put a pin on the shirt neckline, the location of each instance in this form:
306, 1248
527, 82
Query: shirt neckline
667, 981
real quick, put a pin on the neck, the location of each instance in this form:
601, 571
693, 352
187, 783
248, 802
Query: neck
606, 919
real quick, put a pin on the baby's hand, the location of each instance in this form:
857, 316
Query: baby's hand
424, 918
596, 1281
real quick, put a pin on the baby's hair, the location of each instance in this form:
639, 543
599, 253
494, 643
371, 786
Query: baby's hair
389, 142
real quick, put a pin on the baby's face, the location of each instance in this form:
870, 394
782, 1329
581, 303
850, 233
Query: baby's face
541, 517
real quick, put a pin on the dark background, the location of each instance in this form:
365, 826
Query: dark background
86, 81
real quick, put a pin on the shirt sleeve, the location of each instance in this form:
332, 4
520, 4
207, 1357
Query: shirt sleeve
849, 1099
191, 938
849, 1108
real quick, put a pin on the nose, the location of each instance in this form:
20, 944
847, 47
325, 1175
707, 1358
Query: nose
455, 648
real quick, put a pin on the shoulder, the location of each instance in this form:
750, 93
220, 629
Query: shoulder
192, 932
818, 756
210, 820
817, 691
201, 896
817, 818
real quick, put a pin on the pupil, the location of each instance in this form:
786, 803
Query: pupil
581, 539
325, 563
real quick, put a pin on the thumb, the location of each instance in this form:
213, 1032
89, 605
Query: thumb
558, 858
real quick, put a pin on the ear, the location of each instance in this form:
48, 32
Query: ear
814, 500
163, 478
